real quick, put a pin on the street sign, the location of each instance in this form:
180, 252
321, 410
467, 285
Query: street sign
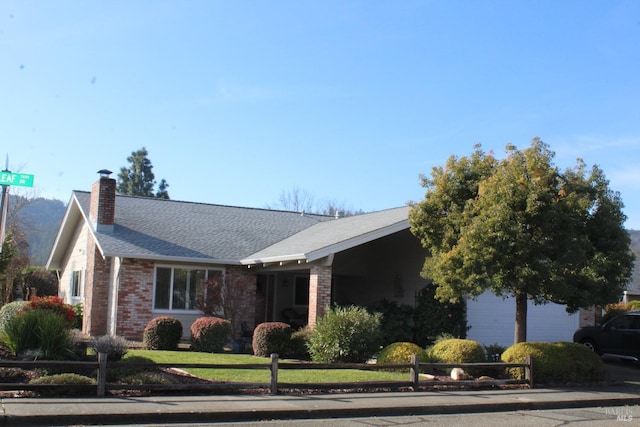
17, 179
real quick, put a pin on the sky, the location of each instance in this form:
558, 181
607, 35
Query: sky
239, 101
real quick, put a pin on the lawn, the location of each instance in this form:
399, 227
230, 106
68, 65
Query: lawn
260, 375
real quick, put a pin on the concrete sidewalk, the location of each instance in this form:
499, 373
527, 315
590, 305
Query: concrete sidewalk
228, 408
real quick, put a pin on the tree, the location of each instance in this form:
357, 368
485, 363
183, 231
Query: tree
521, 228
138, 179
300, 200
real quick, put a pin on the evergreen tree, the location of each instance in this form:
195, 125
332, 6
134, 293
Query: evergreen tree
138, 179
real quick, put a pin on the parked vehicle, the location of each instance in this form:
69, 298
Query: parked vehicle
618, 337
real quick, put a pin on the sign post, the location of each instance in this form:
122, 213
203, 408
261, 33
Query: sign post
8, 178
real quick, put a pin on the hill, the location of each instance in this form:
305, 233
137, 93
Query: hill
40, 219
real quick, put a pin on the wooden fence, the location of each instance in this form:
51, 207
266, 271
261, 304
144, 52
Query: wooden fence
102, 366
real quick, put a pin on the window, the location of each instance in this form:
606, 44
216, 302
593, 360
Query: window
181, 288
301, 290
76, 279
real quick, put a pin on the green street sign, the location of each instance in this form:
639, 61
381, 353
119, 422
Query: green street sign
17, 179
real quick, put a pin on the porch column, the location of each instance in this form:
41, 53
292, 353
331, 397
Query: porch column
319, 292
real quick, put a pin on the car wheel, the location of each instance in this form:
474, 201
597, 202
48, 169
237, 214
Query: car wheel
589, 344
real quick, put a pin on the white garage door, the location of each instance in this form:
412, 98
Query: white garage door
492, 321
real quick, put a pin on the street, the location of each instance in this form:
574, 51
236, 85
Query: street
583, 417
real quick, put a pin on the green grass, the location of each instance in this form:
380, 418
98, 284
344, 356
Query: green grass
261, 375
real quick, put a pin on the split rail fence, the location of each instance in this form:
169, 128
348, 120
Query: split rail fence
101, 367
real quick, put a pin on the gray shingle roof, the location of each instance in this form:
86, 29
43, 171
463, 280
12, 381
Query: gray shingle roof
157, 229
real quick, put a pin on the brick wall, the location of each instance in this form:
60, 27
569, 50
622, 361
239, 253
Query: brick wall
103, 200
96, 291
242, 283
135, 298
319, 292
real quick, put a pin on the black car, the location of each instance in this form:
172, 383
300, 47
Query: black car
618, 337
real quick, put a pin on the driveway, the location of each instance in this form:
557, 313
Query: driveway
620, 370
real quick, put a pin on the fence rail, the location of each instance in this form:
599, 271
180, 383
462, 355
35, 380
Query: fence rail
102, 366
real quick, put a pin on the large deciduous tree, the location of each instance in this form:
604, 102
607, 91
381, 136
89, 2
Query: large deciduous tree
520, 227
138, 179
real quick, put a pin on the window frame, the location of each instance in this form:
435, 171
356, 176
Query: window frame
75, 284
171, 291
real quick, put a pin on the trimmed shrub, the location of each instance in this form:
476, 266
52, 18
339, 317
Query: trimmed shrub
162, 333
121, 373
272, 337
63, 379
210, 334
10, 310
113, 346
401, 352
345, 335
44, 281
456, 350
556, 363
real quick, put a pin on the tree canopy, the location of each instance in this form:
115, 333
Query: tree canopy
138, 179
520, 227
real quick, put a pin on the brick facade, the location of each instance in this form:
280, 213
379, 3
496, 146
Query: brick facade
135, 298
103, 201
243, 290
96, 291
319, 292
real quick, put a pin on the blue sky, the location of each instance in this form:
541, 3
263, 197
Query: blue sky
238, 101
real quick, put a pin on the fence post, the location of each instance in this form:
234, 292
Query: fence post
274, 373
415, 371
528, 370
102, 374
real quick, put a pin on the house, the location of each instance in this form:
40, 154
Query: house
131, 259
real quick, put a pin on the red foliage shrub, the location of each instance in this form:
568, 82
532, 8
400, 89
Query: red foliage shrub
53, 303
210, 334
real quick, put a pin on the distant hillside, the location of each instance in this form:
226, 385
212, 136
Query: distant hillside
40, 219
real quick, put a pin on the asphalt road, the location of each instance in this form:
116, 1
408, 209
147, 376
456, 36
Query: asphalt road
619, 370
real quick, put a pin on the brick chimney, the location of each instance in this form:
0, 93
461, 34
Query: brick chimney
103, 202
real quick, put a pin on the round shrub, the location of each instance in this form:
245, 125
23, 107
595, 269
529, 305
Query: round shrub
113, 346
210, 334
64, 379
345, 335
555, 362
401, 352
162, 333
456, 350
272, 337
10, 310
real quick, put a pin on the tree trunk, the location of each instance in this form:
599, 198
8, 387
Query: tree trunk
520, 334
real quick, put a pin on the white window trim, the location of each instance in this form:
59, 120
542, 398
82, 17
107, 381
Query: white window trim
173, 267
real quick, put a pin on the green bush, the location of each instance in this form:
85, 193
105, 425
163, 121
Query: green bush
63, 379
299, 344
272, 337
433, 318
10, 310
456, 350
39, 334
113, 346
344, 335
557, 363
210, 334
162, 333
396, 323
44, 281
401, 352
120, 374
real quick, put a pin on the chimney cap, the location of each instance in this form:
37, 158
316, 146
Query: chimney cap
105, 173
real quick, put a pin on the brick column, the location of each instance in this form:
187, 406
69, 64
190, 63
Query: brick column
242, 290
96, 292
319, 292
